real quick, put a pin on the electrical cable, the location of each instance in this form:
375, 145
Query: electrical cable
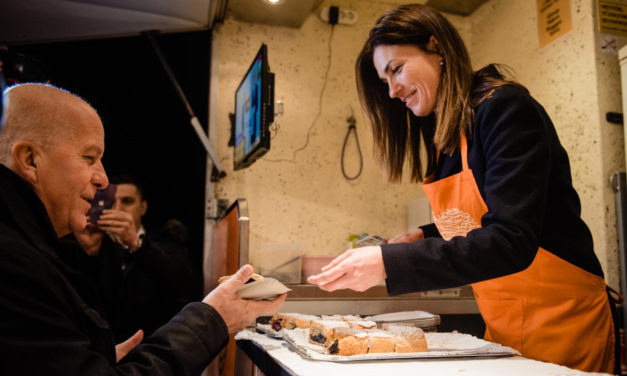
351, 128
313, 123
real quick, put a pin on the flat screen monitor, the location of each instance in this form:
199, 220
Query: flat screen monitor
254, 112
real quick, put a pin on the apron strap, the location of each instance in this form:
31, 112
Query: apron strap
464, 154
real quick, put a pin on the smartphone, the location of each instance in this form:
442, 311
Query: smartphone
104, 199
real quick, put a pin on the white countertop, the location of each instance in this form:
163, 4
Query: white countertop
510, 366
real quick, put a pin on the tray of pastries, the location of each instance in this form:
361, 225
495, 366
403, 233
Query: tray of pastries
353, 338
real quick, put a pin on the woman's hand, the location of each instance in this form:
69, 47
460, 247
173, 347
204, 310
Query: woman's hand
357, 269
408, 237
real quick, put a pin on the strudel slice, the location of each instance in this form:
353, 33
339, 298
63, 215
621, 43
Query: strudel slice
321, 331
409, 338
348, 341
291, 321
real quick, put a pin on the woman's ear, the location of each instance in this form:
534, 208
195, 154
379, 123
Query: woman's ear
434, 46
25, 155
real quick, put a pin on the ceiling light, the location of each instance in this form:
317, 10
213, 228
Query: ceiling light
273, 2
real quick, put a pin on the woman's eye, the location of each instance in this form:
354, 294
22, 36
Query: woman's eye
396, 69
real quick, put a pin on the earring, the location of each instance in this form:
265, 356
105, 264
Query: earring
442, 62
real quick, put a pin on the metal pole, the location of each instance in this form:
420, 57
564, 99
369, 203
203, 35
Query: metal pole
220, 173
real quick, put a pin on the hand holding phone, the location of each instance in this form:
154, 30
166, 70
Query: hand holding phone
104, 199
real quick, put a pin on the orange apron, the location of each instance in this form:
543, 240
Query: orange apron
552, 311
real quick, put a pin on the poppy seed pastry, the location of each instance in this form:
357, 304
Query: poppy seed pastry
348, 341
291, 321
321, 331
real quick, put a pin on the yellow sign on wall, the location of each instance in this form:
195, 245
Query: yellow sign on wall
554, 20
613, 17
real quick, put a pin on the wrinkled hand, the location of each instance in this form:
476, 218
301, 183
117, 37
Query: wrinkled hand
408, 237
236, 312
121, 349
120, 226
357, 269
90, 239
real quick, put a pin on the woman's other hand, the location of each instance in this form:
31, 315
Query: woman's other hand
408, 237
356, 269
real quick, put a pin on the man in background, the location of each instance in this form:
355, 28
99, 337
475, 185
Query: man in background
51, 318
143, 279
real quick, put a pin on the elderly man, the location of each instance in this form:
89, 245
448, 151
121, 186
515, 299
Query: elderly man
51, 320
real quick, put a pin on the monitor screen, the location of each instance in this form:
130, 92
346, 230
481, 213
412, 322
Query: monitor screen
254, 112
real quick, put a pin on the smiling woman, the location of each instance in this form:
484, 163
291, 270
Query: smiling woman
506, 216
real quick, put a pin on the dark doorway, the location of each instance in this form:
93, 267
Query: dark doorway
147, 130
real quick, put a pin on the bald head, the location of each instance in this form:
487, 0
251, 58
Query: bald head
41, 114
54, 141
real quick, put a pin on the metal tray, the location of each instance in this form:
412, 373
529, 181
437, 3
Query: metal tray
441, 345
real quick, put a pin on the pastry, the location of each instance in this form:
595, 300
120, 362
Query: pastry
409, 338
355, 321
380, 341
291, 321
362, 324
321, 331
348, 341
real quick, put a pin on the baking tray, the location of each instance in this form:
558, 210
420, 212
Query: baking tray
441, 345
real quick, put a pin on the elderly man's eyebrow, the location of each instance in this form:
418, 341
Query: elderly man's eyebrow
95, 149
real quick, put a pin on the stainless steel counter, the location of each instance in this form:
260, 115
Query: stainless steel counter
310, 299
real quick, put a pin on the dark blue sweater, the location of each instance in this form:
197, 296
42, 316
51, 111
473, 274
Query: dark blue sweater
523, 175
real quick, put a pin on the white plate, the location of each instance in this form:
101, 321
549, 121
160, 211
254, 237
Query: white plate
265, 289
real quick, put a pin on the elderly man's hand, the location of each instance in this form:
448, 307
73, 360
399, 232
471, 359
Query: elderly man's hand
121, 349
238, 312
120, 226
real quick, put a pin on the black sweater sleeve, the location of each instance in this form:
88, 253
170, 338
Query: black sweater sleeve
510, 154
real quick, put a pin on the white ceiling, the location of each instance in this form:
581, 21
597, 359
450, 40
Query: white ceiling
45, 20
27, 21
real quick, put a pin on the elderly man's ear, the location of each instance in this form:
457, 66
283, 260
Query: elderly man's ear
25, 156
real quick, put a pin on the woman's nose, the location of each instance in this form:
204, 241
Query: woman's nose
393, 89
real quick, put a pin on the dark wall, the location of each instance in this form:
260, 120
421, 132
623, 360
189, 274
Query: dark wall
147, 129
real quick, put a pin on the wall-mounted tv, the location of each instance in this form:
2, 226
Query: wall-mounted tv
254, 112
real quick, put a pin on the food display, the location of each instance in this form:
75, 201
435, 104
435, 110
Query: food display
389, 336
353, 335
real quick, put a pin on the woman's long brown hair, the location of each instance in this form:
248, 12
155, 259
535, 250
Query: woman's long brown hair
397, 133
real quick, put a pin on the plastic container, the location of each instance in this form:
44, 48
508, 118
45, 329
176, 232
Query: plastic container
281, 261
312, 265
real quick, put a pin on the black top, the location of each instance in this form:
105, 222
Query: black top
523, 175
145, 288
51, 320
